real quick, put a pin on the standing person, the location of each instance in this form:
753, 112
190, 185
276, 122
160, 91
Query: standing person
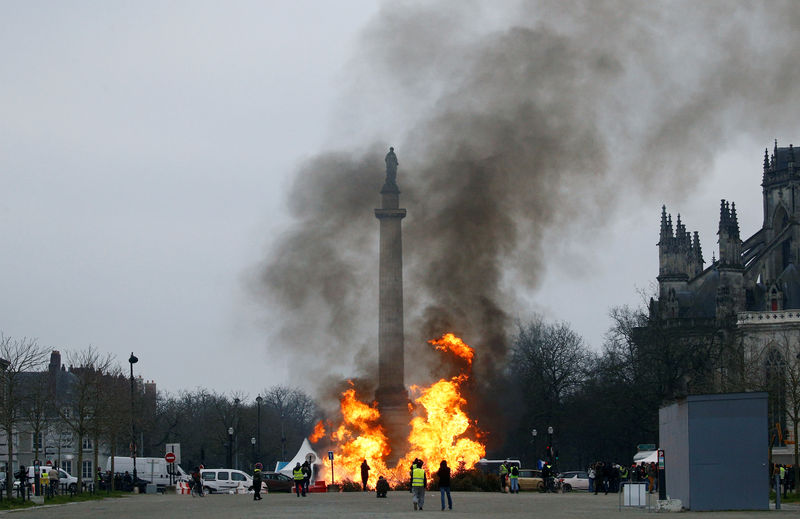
591, 477
44, 481
651, 477
546, 477
297, 472
444, 484
418, 483
503, 475
22, 476
783, 478
598, 476
54, 480
364, 474
197, 482
513, 476
306, 476
257, 482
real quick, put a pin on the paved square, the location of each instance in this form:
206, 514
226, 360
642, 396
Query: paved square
351, 505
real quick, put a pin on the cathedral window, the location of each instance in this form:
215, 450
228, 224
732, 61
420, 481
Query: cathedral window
775, 379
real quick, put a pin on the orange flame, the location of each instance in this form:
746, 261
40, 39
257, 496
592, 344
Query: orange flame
451, 343
440, 433
319, 432
440, 429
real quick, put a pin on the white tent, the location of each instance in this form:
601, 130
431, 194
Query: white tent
305, 453
643, 456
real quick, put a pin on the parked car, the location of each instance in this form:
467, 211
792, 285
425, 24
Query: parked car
574, 480
224, 480
277, 482
530, 479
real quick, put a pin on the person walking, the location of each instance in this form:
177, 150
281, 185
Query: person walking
418, 484
513, 477
257, 482
444, 484
297, 472
364, 474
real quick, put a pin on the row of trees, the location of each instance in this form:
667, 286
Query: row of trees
92, 401
602, 404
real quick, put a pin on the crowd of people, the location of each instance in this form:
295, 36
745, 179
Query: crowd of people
609, 477
785, 474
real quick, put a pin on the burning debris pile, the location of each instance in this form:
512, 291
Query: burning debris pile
440, 427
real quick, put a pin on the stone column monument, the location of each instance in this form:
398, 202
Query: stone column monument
391, 394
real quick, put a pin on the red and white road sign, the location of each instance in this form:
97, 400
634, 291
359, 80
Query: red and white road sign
170, 457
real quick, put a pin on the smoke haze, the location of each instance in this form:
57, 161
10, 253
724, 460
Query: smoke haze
517, 133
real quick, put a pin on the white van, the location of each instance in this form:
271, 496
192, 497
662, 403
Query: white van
226, 480
65, 480
154, 470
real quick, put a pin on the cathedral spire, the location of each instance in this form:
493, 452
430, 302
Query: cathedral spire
766, 160
734, 221
698, 252
663, 236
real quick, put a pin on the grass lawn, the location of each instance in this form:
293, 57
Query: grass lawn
17, 503
791, 497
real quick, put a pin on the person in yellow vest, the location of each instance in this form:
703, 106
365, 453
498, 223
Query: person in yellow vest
513, 476
503, 476
418, 484
783, 478
297, 472
44, 481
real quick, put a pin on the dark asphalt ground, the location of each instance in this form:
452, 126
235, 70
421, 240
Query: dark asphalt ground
364, 505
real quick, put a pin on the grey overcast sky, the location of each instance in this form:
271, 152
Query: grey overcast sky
149, 152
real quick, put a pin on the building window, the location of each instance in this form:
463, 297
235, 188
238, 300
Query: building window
66, 440
87, 444
775, 371
67, 466
37, 441
86, 472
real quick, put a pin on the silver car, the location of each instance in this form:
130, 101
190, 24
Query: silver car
574, 480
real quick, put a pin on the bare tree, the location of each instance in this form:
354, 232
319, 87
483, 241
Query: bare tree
83, 405
295, 411
114, 420
37, 408
18, 356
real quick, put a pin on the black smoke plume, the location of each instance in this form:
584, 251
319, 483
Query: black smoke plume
521, 132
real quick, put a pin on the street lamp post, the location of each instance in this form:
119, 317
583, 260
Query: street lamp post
259, 399
253, 443
132, 360
236, 417
550, 444
534, 432
230, 447
283, 440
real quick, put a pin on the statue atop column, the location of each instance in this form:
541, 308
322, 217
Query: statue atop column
391, 167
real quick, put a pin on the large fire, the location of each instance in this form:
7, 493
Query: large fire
440, 429
451, 343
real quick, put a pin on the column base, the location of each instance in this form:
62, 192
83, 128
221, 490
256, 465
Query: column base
395, 418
